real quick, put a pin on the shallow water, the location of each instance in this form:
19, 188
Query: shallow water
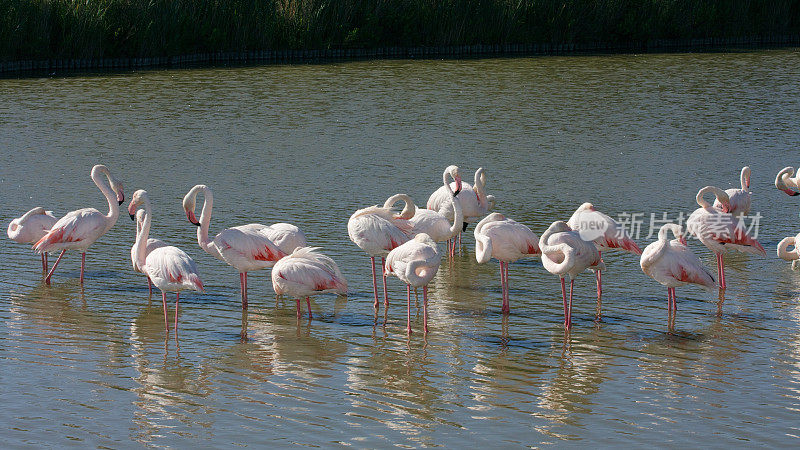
309, 145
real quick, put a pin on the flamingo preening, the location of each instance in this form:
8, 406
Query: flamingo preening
31, 227
79, 229
168, 267
306, 272
792, 255
377, 231
673, 264
564, 252
739, 198
474, 201
505, 240
433, 223
245, 248
415, 263
719, 230
605, 232
786, 183
151, 245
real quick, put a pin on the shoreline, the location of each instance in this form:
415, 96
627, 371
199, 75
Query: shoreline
63, 67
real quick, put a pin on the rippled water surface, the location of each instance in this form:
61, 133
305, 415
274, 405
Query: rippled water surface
309, 145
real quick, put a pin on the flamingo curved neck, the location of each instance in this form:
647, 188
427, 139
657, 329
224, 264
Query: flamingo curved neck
411, 273
744, 179
458, 213
105, 188
719, 193
409, 208
205, 222
143, 234
783, 249
479, 184
34, 212
663, 233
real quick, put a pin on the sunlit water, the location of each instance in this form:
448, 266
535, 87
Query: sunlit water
309, 145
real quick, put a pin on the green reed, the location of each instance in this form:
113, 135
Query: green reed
39, 29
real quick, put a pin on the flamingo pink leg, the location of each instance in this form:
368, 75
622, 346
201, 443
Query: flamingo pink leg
669, 299
599, 278
50, 274
425, 307
722, 264
508, 287
45, 261
243, 284
569, 316
164, 305
308, 303
297, 301
385, 293
459, 244
564, 298
83, 264
374, 282
408, 308
149, 287
177, 300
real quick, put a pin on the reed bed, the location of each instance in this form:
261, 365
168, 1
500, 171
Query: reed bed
46, 29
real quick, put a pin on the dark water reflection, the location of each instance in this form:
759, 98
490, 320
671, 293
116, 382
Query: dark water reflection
309, 145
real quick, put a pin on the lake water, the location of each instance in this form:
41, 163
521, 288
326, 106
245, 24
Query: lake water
309, 144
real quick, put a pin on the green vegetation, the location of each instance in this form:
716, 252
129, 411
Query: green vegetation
42, 29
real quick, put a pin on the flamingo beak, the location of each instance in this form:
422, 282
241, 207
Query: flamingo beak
132, 210
790, 192
120, 197
682, 240
190, 215
747, 183
458, 186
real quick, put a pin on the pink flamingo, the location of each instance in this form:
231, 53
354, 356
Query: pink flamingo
307, 272
785, 182
473, 198
245, 248
170, 268
740, 199
79, 229
416, 263
564, 252
285, 235
507, 241
790, 255
673, 264
433, 223
605, 232
719, 230
377, 231
151, 245
30, 227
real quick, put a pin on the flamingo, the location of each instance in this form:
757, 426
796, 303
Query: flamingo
307, 272
377, 231
169, 268
245, 248
719, 230
79, 229
506, 240
740, 199
785, 182
416, 263
151, 245
433, 223
790, 255
285, 235
605, 232
564, 252
473, 198
30, 227
673, 264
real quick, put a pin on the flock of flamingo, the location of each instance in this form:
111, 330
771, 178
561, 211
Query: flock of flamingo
407, 241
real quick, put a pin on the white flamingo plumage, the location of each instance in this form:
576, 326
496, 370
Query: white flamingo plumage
564, 252
589, 222
673, 264
151, 245
505, 240
433, 223
169, 268
415, 263
79, 229
32, 226
719, 230
377, 231
790, 255
285, 235
786, 183
475, 203
307, 272
245, 248
740, 199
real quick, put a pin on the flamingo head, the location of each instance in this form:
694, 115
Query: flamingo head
116, 186
682, 240
138, 198
455, 172
746, 177
188, 207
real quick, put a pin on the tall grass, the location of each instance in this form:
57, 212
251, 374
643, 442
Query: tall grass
39, 29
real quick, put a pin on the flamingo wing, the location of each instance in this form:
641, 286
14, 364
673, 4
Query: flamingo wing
170, 268
246, 244
78, 227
